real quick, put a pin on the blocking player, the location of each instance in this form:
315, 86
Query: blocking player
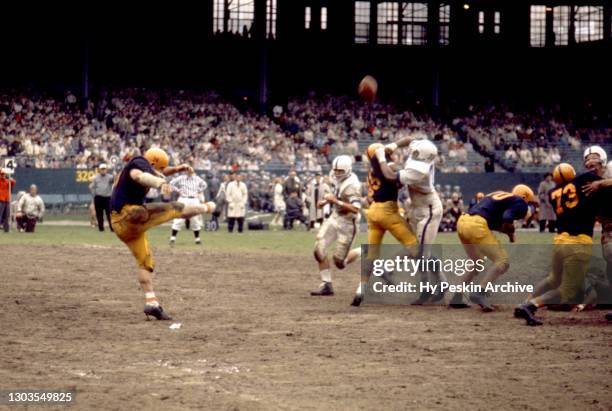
426, 208
191, 189
496, 212
596, 158
341, 226
383, 214
131, 218
572, 249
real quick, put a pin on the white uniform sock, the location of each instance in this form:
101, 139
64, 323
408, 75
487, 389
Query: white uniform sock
358, 292
326, 275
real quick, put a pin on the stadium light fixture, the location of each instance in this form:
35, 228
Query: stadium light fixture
549, 9
466, 6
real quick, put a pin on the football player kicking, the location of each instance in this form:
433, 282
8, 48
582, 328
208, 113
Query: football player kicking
572, 245
341, 226
383, 214
426, 208
131, 218
496, 212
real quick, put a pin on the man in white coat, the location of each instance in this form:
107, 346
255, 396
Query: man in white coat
315, 193
237, 195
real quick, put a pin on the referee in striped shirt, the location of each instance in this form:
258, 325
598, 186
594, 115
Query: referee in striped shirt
191, 190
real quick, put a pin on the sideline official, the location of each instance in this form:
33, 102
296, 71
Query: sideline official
101, 188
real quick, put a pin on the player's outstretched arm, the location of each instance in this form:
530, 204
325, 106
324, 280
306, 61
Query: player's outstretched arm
386, 169
595, 186
168, 171
401, 143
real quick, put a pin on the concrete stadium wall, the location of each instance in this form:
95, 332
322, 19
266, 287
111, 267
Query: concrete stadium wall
75, 182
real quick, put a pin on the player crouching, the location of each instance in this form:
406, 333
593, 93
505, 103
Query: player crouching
131, 218
496, 212
341, 226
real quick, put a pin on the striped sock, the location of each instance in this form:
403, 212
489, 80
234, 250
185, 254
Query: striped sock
151, 300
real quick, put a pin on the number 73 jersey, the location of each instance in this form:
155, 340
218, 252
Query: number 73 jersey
576, 211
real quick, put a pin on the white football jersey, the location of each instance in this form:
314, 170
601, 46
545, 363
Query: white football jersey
419, 176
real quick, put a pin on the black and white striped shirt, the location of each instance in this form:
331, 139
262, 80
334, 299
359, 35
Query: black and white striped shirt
189, 186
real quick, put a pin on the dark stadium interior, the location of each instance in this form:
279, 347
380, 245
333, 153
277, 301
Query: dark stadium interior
174, 45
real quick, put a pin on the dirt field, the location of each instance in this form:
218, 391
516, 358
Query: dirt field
252, 338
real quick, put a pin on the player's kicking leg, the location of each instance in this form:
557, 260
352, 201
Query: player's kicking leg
131, 225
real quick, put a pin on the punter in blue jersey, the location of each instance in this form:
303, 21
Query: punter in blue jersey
131, 218
496, 212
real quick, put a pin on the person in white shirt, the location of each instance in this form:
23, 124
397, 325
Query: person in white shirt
30, 209
237, 196
191, 190
278, 201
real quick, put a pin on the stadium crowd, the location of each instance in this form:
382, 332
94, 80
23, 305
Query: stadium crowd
46, 131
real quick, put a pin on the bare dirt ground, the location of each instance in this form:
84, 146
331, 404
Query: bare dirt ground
252, 338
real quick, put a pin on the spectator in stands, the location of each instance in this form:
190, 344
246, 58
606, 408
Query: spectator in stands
479, 196
489, 165
30, 209
546, 213
455, 208
6, 187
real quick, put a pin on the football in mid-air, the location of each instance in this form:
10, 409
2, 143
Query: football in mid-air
368, 87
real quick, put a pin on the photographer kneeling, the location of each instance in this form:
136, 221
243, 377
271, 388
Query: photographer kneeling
30, 209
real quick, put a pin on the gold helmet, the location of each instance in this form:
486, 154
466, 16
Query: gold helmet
157, 158
563, 173
523, 191
372, 149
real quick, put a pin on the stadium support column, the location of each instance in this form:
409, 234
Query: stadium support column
85, 79
607, 15
433, 46
262, 53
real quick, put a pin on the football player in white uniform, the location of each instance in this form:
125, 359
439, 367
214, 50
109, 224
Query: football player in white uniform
341, 227
426, 209
595, 159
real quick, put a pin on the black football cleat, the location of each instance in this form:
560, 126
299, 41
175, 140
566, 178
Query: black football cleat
423, 298
157, 312
609, 316
527, 312
326, 289
436, 297
481, 300
356, 300
457, 301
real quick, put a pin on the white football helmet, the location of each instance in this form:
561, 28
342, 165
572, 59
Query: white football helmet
342, 167
596, 150
423, 150
608, 173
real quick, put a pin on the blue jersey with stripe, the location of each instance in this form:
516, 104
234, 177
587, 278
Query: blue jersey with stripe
500, 207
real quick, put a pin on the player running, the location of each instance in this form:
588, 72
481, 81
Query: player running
496, 212
341, 226
426, 208
573, 244
383, 214
131, 218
